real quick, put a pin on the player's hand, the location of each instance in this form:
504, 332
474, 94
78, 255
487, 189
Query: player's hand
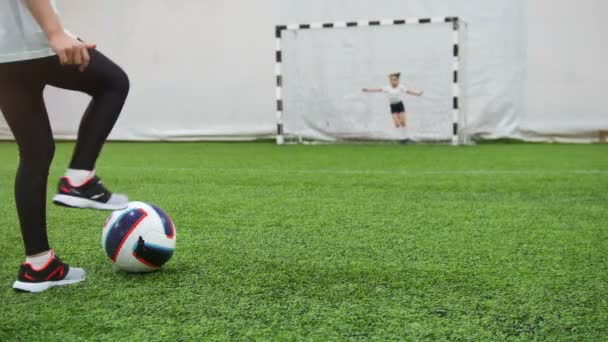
70, 50
421, 93
365, 90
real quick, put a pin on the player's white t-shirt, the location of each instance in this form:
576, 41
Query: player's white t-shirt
21, 38
395, 95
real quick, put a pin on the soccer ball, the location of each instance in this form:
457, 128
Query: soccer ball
140, 238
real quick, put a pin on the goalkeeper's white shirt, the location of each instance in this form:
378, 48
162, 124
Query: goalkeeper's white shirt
21, 38
395, 95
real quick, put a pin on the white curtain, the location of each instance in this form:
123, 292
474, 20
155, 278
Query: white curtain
205, 69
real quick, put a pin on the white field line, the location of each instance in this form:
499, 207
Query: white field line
397, 172
374, 172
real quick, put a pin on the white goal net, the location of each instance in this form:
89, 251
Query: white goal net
322, 69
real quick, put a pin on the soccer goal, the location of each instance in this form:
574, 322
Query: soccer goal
322, 68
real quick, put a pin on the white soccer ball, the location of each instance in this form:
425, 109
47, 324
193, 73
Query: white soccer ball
140, 238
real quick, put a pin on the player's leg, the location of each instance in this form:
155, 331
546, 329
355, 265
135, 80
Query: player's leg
400, 108
395, 109
108, 85
22, 105
402, 120
396, 120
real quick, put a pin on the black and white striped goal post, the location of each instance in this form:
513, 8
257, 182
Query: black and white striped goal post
456, 22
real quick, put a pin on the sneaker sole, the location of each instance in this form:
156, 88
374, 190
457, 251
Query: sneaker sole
83, 203
41, 287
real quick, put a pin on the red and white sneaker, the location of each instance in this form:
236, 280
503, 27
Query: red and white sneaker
90, 195
54, 273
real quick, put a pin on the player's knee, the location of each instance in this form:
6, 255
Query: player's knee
121, 83
47, 153
40, 154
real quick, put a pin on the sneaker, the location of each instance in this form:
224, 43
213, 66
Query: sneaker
407, 142
55, 273
90, 195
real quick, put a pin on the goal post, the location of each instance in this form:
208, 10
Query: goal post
321, 67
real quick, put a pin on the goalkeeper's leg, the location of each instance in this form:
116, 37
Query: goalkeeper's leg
397, 120
402, 117
402, 120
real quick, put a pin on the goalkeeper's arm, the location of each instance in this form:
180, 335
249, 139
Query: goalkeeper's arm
415, 92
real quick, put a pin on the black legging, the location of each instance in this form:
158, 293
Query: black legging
21, 102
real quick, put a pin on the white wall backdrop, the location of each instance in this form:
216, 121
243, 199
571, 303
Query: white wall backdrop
566, 70
205, 69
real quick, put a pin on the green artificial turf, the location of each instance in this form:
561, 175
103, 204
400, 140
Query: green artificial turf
338, 242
